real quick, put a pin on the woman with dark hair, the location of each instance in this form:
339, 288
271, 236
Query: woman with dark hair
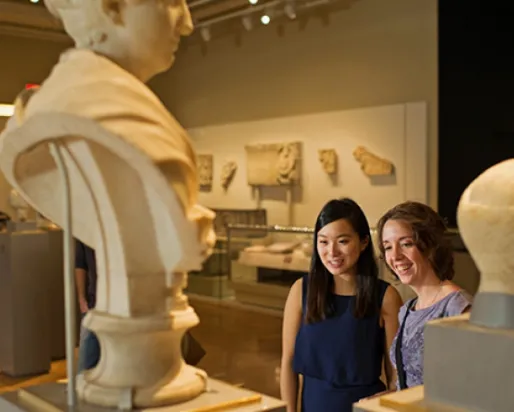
340, 319
412, 242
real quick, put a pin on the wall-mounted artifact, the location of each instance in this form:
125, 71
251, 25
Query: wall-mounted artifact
371, 164
273, 164
227, 174
328, 160
205, 170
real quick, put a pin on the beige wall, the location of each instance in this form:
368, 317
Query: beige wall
23, 61
377, 53
394, 132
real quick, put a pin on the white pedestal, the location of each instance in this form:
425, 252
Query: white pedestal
219, 397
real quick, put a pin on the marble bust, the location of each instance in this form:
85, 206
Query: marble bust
134, 183
485, 217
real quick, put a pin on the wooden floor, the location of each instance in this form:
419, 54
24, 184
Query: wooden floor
243, 347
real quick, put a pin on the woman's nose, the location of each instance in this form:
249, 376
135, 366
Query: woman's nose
334, 249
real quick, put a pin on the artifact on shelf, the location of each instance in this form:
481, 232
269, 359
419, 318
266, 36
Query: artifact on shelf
273, 164
133, 187
205, 162
371, 164
228, 172
20, 206
466, 356
328, 160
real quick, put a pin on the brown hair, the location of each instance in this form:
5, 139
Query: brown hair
428, 231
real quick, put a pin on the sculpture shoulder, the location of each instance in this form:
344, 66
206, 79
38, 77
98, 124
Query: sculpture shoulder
85, 82
90, 86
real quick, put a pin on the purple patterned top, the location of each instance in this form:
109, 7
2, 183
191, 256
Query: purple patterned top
413, 342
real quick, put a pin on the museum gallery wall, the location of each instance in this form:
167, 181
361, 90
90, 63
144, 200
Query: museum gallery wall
376, 155
376, 53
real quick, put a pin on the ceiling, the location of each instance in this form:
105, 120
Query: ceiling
22, 17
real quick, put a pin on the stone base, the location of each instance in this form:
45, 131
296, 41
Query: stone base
188, 384
469, 366
466, 368
218, 397
409, 400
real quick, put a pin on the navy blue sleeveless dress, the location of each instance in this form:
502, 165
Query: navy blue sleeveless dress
340, 358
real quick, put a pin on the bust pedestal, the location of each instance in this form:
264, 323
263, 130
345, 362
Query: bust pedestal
218, 397
467, 368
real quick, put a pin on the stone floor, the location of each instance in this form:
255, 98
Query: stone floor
243, 348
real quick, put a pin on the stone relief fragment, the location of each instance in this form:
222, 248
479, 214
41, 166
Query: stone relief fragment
205, 170
328, 160
227, 174
371, 164
273, 164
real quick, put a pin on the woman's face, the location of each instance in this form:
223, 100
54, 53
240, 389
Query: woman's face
401, 253
339, 247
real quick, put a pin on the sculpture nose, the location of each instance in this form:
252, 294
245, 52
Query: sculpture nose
186, 21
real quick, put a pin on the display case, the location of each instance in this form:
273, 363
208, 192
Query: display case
213, 279
273, 258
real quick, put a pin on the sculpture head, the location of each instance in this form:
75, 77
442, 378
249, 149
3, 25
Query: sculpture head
141, 36
486, 223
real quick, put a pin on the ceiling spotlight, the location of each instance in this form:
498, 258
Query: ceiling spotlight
205, 32
6, 110
34, 1
247, 22
253, 1
265, 19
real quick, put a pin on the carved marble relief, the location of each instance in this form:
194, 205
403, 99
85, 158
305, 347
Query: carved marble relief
227, 174
371, 164
205, 170
273, 164
328, 160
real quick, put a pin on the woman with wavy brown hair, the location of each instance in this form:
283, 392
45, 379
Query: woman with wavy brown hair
413, 244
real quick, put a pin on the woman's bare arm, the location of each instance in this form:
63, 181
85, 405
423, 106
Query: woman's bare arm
290, 327
390, 309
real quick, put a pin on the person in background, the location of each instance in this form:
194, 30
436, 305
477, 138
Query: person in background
85, 280
340, 319
413, 244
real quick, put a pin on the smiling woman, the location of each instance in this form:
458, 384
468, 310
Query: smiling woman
340, 319
413, 244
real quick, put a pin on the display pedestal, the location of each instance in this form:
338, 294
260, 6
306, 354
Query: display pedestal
219, 397
466, 368
24, 317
